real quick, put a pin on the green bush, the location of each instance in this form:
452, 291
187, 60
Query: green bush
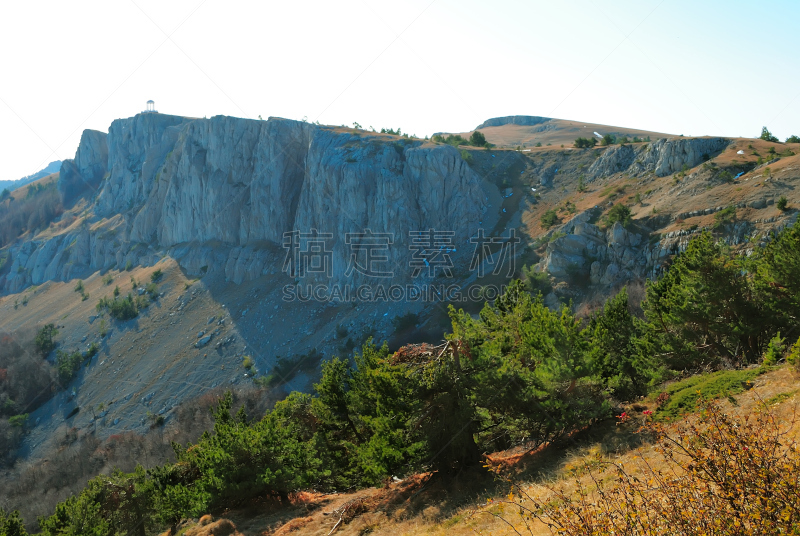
477, 139
793, 139
156, 276
684, 395
549, 219
536, 282
92, 351
619, 213
240, 460
45, 339
783, 203
152, 290
453, 139
794, 354
466, 155
11, 524
18, 421
608, 139
122, 309
775, 350
724, 217
68, 364
585, 143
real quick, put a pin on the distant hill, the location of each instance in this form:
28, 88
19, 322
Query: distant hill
51, 168
529, 131
522, 120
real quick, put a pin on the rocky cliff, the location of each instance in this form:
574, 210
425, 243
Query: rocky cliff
662, 157
220, 193
87, 169
617, 255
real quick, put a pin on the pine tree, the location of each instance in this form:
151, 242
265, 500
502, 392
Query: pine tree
477, 139
613, 352
705, 307
767, 135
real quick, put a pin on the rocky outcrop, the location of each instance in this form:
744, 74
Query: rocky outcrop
523, 120
662, 157
221, 194
587, 253
87, 169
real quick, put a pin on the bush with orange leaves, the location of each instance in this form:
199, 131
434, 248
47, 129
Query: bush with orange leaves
724, 475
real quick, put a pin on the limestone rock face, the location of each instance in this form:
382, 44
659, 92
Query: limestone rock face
662, 157
603, 258
221, 194
137, 148
87, 169
610, 258
614, 160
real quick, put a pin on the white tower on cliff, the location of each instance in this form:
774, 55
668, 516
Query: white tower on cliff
151, 108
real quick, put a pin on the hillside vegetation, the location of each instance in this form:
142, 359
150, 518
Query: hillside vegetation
28, 209
518, 375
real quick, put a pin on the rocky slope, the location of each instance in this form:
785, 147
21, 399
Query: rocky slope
675, 189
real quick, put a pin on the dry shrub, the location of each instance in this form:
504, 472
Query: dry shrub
28, 214
723, 475
223, 527
27, 380
637, 292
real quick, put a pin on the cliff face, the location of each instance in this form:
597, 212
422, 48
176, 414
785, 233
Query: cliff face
87, 169
662, 157
221, 192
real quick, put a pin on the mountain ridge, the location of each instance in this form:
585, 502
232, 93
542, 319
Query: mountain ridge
52, 167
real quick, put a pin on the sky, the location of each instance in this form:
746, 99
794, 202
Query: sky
682, 67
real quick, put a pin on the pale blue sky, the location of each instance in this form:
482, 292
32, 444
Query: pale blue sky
721, 68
